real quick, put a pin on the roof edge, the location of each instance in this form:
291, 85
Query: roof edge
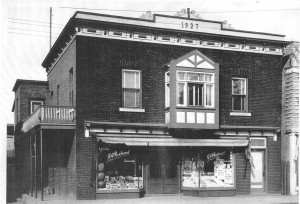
25, 81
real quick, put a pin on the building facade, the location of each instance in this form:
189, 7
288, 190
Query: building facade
158, 105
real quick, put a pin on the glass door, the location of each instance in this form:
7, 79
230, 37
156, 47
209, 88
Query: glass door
258, 172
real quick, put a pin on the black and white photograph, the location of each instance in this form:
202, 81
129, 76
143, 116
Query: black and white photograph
131, 101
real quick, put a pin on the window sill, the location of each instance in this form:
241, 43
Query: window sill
196, 107
137, 110
240, 114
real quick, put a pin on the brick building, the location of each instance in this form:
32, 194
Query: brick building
29, 95
154, 105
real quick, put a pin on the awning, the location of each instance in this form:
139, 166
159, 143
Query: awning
172, 142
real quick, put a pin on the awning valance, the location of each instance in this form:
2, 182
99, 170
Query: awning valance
175, 142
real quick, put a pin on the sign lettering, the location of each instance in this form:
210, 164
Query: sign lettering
116, 155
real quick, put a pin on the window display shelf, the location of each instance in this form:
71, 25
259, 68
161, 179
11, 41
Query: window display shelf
119, 191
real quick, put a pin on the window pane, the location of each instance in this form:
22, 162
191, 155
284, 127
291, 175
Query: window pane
201, 77
193, 76
180, 95
118, 172
195, 92
167, 79
209, 95
238, 103
137, 80
131, 98
181, 76
35, 106
131, 80
208, 77
167, 98
238, 86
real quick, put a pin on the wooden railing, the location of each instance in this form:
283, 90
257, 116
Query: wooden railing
50, 115
57, 114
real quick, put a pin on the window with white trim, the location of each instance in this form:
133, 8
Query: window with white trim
195, 89
239, 94
131, 85
167, 89
34, 105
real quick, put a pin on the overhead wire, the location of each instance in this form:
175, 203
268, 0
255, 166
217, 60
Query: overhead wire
30, 34
19, 19
164, 11
34, 24
31, 30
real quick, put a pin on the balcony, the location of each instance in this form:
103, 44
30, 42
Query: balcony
50, 115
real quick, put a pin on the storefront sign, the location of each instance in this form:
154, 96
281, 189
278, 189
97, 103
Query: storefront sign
129, 161
213, 155
102, 149
116, 155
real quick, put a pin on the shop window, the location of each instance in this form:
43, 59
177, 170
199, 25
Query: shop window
119, 167
195, 89
131, 88
34, 105
239, 94
207, 169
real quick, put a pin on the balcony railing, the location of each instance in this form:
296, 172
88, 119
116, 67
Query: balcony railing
50, 115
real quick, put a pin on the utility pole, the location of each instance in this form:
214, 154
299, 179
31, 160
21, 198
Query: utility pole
50, 26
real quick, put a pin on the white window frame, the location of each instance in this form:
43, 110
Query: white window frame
35, 101
167, 89
139, 89
186, 81
246, 95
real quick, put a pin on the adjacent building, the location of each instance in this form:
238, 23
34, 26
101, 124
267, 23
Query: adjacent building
290, 120
10, 163
154, 105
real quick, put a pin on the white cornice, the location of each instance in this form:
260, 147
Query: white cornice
180, 24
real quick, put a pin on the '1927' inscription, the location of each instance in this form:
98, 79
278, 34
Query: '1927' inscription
189, 25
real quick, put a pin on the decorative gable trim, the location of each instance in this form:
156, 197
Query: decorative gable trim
195, 59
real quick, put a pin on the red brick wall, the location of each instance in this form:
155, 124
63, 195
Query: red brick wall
99, 93
60, 162
59, 75
242, 175
100, 63
64, 177
274, 165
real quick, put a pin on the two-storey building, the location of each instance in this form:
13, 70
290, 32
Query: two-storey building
158, 105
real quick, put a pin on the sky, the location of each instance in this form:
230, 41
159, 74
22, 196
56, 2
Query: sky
25, 31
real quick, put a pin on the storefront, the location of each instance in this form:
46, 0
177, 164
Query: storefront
134, 165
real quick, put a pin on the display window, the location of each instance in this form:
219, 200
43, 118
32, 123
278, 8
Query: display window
203, 168
119, 167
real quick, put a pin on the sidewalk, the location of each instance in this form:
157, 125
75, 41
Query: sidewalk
176, 199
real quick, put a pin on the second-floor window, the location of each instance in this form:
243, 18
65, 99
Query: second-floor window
34, 105
239, 94
195, 89
131, 85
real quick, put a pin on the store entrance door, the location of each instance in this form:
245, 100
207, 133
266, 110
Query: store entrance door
163, 175
257, 178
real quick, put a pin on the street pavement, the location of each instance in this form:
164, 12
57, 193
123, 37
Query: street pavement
172, 199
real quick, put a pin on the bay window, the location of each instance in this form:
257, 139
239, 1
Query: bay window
131, 88
195, 89
239, 94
